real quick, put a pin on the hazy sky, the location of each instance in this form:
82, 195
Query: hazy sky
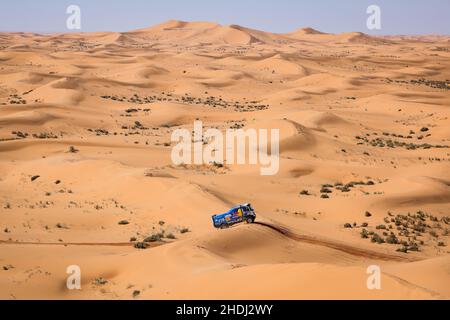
398, 16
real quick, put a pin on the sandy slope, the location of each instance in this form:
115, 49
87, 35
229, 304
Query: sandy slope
366, 118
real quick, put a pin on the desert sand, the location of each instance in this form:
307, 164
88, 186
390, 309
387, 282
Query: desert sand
86, 174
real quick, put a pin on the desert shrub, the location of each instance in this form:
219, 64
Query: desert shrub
434, 234
184, 230
154, 237
377, 238
141, 245
218, 165
72, 149
100, 281
392, 239
402, 250
419, 228
364, 234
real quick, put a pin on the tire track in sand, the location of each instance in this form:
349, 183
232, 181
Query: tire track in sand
85, 244
356, 251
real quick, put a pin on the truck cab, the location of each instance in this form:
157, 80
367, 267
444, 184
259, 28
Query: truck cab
238, 214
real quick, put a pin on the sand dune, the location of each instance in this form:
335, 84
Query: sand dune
306, 31
86, 174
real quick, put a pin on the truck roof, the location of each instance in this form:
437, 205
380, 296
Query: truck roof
232, 209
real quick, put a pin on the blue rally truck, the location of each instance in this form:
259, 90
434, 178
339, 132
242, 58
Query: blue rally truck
238, 214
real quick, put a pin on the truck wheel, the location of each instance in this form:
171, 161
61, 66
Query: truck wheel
250, 220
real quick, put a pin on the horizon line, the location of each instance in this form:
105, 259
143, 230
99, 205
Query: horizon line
223, 25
